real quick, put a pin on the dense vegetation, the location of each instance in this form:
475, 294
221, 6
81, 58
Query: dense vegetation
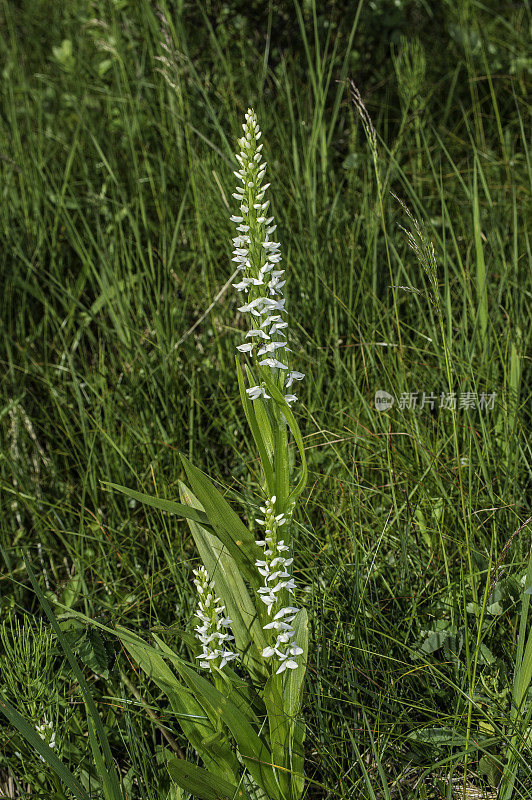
118, 124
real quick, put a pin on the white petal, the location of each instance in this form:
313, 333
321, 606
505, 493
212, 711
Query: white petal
273, 362
256, 332
271, 347
284, 611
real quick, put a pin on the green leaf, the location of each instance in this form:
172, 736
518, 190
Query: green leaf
293, 698
104, 759
293, 687
297, 758
92, 651
72, 590
491, 768
260, 429
227, 525
438, 736
103, 66
434, 641
296, 433
253, 751
263, 421
199, 726
279, 727
246, 626
202, 783
282, 466
163, 505
42, 749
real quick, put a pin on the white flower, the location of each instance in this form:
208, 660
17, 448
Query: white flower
273, 362
252, 306
211, 613
47, 734
284, 611
257, 391
293, 376
270, 348
288, 664
277, 328
295, 650
274, 569
257, 332
257, 254
278, 625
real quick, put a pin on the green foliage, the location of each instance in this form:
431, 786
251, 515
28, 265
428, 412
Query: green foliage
115, 188
28, 665
228, 527
223, 569
95, 651
410, 68
200, 783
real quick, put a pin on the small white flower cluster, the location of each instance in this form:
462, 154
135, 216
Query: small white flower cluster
258, 256
47, 734
274, 568
211, 631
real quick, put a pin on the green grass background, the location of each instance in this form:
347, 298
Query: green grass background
118, 121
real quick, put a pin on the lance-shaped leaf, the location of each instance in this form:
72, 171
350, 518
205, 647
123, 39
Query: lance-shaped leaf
201, 783
239, 692
260, 429
253, 751
199, 727
170, 506
296, 759
263, 421
227, 525
293, 697
245, 623
279, 726
43, 750
282, 466
296, 433
293, 687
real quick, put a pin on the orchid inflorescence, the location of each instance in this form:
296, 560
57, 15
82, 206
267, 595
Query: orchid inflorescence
47, 733
211, 632
274, 568
257, 255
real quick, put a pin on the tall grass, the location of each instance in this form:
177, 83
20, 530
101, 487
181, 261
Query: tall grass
116, 177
